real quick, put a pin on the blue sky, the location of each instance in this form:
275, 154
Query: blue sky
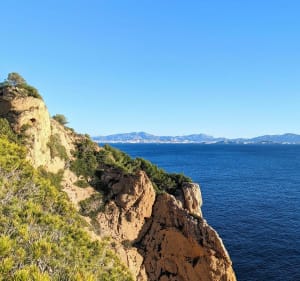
225, 68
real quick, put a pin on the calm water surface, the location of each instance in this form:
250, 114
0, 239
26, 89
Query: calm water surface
251, 196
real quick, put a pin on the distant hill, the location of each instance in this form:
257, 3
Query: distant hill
285, 138
142, 137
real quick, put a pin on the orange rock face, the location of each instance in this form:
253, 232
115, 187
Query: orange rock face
169, 239
181, 247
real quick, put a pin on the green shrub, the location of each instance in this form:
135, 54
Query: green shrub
92, 164
55, 178
60, 118
4, 85
31, 91
81, 183
6, 131
25, 127
118, 158
92, 205
85, 163
127, 244
56, 148
161, 180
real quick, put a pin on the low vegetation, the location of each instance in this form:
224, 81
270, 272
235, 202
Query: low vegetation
85, 163
92, 164
56, 148
92, 205
81, 183
54, 178
60, 118
6, 131
41, 234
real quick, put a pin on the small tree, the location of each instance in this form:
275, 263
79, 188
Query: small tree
60, 118
15, 79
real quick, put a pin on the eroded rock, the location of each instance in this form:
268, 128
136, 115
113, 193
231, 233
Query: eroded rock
179, 246
29, 116
190, 197
125, 216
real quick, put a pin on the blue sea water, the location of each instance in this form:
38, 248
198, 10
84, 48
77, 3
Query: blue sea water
251, 196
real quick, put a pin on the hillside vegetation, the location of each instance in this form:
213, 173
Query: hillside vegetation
91, 163
42, 237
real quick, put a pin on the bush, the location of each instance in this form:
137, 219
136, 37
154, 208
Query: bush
118, 158
60, 118
92, 205
6, 131
31, 91
127, 244
93, 164
85, 163
4, 85
81, 183
161, 180
56, 148
54, 178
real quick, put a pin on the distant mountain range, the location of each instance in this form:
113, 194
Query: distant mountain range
142, 137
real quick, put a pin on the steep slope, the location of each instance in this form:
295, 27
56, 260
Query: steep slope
41, 235
153, 218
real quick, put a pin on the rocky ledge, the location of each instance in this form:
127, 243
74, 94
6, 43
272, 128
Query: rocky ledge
166, 236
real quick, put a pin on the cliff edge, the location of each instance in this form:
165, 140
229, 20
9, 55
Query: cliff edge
153, 219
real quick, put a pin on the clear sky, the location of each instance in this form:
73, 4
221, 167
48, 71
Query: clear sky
221, 67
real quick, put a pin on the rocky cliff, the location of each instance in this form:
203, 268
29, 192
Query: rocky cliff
166, 236
159, 236
29, 117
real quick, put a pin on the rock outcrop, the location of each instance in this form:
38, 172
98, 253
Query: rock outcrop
29, 116
124, 217
190, 198
161, 237
177, 245
165, 237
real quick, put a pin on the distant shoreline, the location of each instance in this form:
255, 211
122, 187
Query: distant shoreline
202, 143
143, 137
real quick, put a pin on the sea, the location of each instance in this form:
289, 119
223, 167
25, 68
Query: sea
251, 196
